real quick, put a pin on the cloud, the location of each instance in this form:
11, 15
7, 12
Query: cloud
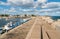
50, 10
52, 5
20, 1
42, 1
12, 10
2, 3
24, 3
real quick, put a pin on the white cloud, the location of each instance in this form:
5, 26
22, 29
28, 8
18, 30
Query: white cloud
50, 10
58, 12
42, 1
24, 3
20, 2
3, 3
26, 9
12, 10
52, 5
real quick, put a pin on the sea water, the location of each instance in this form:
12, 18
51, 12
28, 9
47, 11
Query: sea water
15, 22
3, 21
55, 17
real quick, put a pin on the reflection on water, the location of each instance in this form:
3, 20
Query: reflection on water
3, 21
14, 22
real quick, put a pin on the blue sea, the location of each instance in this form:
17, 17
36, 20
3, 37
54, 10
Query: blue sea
15, 22
55, 17
3, 21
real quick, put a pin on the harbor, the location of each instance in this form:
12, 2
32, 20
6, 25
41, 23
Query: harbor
11, 23
36, 28
29, 19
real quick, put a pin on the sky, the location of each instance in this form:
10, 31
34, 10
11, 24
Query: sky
39, 7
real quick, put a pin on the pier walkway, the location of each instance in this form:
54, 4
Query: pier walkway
43, 30
37, 28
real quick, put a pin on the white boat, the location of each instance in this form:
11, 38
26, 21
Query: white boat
10, 23
24, 20
6, 27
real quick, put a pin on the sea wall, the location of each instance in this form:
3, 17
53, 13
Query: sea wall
19, 32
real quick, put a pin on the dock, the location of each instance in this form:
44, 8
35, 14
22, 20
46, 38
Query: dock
36, 28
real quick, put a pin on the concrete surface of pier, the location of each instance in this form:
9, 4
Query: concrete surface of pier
36, 28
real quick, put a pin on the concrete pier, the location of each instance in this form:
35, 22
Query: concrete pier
36, 28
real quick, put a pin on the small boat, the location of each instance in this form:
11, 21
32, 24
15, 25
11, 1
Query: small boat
10, 23
6, 27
